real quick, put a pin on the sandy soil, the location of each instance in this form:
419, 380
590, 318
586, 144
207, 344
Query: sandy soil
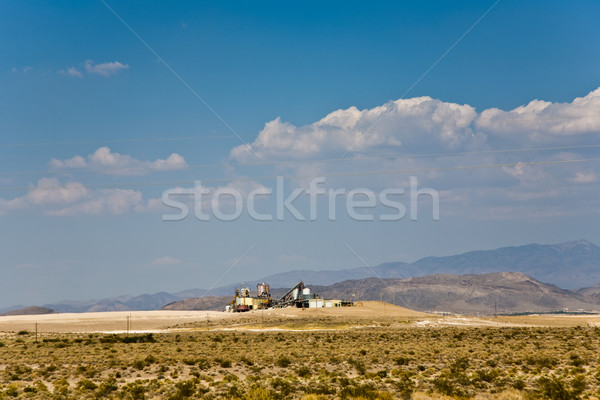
368, 313
141, 321
164, 320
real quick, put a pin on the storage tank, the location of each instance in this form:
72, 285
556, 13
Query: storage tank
306, 291
262, 289
295, 293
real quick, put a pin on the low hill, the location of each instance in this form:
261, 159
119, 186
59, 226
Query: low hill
33, 310
591, 294
215, 303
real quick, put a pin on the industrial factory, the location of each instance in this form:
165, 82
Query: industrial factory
299, 297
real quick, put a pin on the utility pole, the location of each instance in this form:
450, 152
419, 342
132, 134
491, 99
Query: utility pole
128, 320
36, 331
495, 309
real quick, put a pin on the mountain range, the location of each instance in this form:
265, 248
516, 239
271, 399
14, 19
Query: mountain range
569, 265
502, 292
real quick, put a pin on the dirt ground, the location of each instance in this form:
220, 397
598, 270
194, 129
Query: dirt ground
369, 313
113, 322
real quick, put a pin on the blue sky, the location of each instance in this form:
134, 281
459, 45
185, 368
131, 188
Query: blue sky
80, 95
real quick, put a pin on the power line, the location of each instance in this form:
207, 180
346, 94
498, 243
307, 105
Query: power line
179, 78
287, 177
291, 162
225, 136
133, 140
431, 67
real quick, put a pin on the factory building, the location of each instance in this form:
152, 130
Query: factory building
244, 302
318, 303
299, 296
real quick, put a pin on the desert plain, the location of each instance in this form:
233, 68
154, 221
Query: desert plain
371, 351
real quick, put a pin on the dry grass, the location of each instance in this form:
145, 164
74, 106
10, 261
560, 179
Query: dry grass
368, 363
375, 355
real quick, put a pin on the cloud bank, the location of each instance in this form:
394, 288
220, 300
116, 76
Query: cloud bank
72, 199
423, 124
417, 123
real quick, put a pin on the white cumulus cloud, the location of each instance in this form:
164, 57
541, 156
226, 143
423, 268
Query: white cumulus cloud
72, 198
416, 124
48, 191
104, 201
585, 177
104, 69
543, 121
109, 162
71, 71
423, 126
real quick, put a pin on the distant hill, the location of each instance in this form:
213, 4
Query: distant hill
142, 302
591, 294
11, 308
198, 304
33, 310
